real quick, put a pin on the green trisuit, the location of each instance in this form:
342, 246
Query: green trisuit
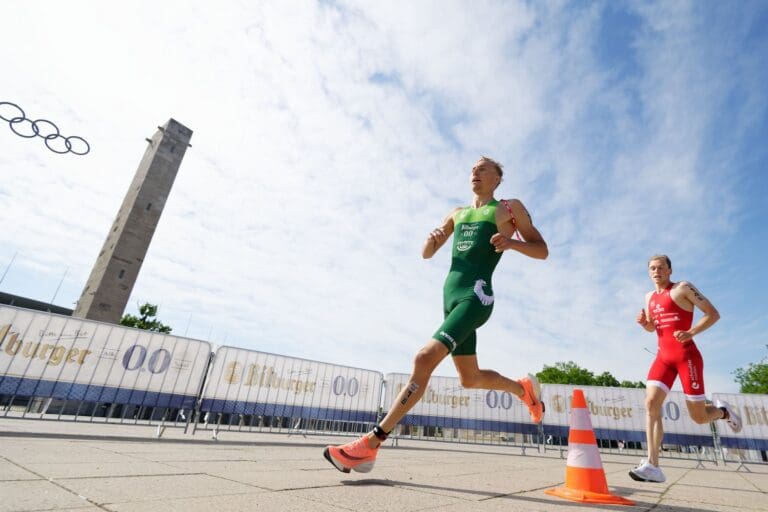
467, 293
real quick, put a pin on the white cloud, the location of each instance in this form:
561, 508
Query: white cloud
330, 138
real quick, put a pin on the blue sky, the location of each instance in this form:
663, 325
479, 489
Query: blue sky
331, 137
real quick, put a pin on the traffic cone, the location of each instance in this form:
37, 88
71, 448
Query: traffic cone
584, 476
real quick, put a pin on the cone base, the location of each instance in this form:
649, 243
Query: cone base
588, 497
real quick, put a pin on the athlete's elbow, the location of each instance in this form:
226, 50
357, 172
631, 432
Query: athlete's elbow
544, 253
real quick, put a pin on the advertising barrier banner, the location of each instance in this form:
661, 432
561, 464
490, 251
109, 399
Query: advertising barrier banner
47, 355
249, 382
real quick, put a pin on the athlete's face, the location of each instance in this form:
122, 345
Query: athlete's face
484, 177
659, 272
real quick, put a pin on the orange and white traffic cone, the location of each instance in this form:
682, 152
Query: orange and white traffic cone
584, 474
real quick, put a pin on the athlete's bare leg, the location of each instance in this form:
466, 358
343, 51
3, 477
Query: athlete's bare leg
424, 364
472, 377
654, 429
700, 412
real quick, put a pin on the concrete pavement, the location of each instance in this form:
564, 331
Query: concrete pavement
76, 467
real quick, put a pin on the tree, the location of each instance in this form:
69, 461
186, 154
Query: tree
607, 380
629, 384
753, 378
566, 373
571, 373
147, 320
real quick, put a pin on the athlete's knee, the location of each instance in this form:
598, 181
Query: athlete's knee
423, 358
426, 359
653, 407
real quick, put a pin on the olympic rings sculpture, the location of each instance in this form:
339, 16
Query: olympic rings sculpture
46, 130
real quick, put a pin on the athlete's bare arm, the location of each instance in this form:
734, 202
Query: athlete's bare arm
438, 236
533, 244
643, 318
687, 296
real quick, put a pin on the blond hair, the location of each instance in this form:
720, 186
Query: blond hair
663, 257
494, 163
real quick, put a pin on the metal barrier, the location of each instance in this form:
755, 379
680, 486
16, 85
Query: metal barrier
449, 412
259, 391
751, 444
618, 418
66, 368
63, 368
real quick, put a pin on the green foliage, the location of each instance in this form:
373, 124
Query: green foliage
571, 373
147, 320
607, 380
629, 384
566, 373
753, 378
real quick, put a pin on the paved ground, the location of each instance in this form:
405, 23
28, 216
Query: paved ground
92, 467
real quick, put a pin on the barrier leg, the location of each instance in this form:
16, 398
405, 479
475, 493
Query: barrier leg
215, 434
296, 430
46, 406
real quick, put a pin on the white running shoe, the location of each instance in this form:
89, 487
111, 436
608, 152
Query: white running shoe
734, 420
643, 463
647, 472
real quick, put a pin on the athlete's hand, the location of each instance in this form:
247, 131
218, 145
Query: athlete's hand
642, 318
438, 236
682, 336
501, 242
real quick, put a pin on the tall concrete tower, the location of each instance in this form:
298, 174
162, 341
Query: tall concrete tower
117, 266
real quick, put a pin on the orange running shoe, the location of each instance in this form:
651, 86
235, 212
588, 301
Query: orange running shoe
357, 455
532, 397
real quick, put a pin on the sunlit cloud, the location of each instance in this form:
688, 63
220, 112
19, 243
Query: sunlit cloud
330, 138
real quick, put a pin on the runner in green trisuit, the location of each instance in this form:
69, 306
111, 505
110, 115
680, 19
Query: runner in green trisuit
482, 232
467, 293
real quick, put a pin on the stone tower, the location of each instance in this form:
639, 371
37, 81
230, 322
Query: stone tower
117, 266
